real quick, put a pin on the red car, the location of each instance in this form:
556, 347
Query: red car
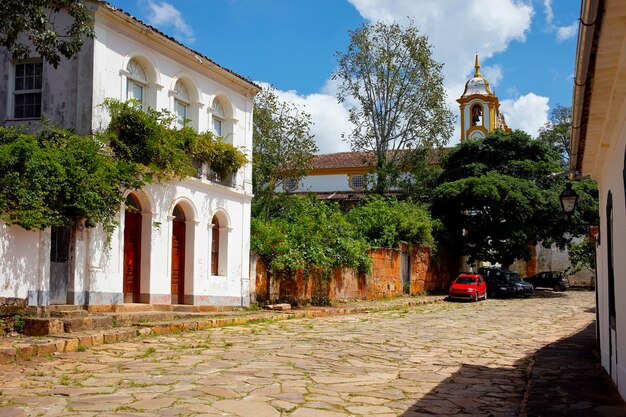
469, 287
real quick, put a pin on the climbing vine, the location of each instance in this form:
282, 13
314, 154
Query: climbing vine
54, 177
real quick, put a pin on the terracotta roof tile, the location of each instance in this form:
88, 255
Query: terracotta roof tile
341, 160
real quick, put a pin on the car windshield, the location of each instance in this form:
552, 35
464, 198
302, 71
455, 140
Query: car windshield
465, 280
512, 276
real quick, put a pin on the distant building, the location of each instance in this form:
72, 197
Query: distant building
598, 149
179, 242
480, 108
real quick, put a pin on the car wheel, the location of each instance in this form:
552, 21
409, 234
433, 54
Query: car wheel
476, 297
557, 287
485, 296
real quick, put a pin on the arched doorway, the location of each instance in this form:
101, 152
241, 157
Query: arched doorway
215, 246
178, 255
132, 250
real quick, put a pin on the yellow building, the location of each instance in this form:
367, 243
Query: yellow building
480, 108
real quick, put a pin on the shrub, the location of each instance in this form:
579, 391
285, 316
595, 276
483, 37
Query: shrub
384, 222
303, 234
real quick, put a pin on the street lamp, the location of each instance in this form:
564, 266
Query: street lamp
569, 198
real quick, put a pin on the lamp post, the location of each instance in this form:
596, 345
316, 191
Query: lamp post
568, 198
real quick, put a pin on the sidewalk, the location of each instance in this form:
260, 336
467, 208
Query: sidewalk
567, 379
25, 347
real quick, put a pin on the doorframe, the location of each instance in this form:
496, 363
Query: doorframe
136, 293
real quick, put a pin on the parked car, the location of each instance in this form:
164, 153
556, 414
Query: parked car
523, 288
549, 279
469, 287
504, 283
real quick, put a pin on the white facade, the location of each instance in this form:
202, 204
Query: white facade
598, 149
171, 77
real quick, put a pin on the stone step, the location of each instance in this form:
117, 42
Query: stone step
69, 313
92, 322
42, 326
125, 319
120, 308
64, 307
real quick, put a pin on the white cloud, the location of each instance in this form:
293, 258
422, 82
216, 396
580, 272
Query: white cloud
528, 113
163, 14
330, 118
563, 33
547, 6
458, 29
493, 74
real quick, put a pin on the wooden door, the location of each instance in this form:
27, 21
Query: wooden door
59, 264
178, 262
215, 246
132, 257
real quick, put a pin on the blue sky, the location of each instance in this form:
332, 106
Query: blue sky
526, 47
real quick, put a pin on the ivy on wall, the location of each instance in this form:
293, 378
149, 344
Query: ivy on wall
56, 178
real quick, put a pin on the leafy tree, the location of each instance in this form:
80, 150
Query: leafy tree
582, 255
388, 222
556, 132
388, 71
421, 173
283, 145
35, 22
495, 199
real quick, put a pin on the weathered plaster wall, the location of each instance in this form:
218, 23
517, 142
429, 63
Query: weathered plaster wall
384, 281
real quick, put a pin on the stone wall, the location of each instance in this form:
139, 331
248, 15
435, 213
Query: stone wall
385, 280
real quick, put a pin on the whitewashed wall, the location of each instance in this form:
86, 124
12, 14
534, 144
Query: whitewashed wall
72, 95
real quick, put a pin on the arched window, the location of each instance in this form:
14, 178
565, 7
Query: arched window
218, 118
181, 103
215, 246
477, 115
136, 81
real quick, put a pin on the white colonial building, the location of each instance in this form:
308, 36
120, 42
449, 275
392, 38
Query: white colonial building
183, 241
598, 149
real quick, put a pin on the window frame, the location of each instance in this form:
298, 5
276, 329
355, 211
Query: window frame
133, 80
23, 92
351, 182
183, 99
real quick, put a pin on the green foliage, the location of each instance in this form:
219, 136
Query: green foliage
495, 198
388, 70
57, 178
146, 137
582, 255
18, 323
388, 222
303, 234
283, 145
556, 132
31, 20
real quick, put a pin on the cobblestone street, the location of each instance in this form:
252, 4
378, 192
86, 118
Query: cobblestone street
445, 359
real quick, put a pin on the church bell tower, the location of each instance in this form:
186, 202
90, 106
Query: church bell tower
480, 114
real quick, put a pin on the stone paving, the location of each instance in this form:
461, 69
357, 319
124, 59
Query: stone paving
452, 358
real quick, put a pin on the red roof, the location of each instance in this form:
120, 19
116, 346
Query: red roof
360, 159
341, 160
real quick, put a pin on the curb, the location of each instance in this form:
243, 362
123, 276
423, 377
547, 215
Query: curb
67, 343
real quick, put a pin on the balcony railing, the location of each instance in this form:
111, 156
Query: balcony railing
228, 181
